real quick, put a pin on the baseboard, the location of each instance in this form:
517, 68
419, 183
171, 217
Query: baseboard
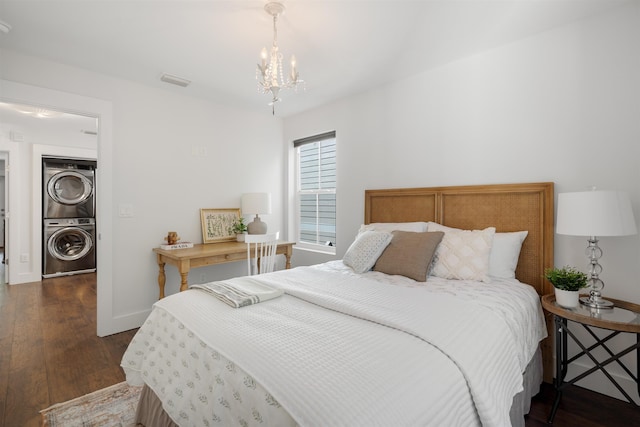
25, 278
598, 382
124, 322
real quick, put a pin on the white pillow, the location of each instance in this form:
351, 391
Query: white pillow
505, 252
417, 227
434, 226
365, 250
463, 254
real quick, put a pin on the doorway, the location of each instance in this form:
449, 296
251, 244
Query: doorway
37, 131
107, 322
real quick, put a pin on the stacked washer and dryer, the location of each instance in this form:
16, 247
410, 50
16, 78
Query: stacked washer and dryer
68, 215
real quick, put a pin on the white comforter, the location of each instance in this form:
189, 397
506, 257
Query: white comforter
342, 349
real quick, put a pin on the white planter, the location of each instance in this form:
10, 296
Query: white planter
240, 237
567, 299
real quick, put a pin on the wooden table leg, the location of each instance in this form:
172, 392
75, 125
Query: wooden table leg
183, 281
287, 256
183, 268
161, 277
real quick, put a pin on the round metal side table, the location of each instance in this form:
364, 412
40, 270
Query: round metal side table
624, 317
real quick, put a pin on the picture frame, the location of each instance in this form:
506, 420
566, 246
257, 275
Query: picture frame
217, 224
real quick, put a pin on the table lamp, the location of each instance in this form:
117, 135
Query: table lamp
256, 203
595, 213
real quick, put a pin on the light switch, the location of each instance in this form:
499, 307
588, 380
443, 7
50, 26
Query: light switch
199, 151
16, 136
126, 211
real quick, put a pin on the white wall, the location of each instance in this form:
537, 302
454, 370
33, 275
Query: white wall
563, 106
152, 168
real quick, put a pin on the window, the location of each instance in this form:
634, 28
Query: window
316, 192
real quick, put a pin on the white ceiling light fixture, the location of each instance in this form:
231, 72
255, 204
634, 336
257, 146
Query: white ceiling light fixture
41, 113
270, 73
4, 27
175, 80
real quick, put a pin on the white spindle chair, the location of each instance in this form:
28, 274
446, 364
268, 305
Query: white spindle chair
263, 258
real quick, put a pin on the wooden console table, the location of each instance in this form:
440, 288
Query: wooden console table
209, 254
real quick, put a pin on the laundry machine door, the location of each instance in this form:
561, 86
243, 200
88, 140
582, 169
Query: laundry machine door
69, 244
69, 188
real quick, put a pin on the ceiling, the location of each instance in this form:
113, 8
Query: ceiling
343, 46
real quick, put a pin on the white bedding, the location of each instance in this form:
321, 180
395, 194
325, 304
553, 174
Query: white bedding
459, 360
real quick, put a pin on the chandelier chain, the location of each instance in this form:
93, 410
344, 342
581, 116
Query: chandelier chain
275, 30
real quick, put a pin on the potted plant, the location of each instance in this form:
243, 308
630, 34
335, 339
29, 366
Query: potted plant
567, 282
240, 228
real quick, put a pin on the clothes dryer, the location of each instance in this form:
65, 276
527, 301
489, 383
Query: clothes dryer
69, 246
68, 188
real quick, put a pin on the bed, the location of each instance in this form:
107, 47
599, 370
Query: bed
346, 343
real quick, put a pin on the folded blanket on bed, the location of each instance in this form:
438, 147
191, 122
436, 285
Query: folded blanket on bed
240, 292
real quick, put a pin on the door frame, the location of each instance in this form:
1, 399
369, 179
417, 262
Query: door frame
107, 322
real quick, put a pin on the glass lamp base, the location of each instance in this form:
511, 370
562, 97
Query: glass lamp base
598, 302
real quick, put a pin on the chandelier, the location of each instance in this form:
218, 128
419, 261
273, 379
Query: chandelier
270, 73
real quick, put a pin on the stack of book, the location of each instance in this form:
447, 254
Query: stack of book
179, 245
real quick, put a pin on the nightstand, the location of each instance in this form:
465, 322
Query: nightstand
623, 318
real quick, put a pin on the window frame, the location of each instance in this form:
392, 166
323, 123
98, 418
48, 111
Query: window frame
298, 192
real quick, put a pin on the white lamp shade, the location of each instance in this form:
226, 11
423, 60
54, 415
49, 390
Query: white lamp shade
256, 203
595, 213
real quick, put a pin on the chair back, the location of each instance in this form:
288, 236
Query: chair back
261, 252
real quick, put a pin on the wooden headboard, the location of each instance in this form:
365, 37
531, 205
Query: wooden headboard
507, 207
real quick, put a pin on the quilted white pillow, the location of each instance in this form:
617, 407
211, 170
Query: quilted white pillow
365, 250
463, 254
505, 250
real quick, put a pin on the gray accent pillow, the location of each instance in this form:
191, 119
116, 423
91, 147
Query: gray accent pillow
409, 254
365, 250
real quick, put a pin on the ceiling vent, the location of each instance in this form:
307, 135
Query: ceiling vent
174, 80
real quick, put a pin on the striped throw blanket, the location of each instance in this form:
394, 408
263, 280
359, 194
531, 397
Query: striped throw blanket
240, 292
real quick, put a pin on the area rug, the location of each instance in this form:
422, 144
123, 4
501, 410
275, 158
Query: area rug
114, 406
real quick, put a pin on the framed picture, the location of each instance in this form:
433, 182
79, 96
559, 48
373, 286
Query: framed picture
217, 224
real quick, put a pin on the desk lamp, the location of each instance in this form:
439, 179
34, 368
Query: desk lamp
256, 203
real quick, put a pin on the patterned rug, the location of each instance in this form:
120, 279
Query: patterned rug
114, 406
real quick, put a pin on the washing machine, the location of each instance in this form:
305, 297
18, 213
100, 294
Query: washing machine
69, 246
68, 188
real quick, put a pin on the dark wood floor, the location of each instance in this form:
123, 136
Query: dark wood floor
582, 407
49, 353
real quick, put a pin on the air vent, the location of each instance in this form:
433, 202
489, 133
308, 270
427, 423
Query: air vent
174, 80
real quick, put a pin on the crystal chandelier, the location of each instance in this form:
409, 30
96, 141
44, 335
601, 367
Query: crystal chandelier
270, 73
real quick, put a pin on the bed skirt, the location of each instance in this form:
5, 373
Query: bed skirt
151, 414
532, 379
